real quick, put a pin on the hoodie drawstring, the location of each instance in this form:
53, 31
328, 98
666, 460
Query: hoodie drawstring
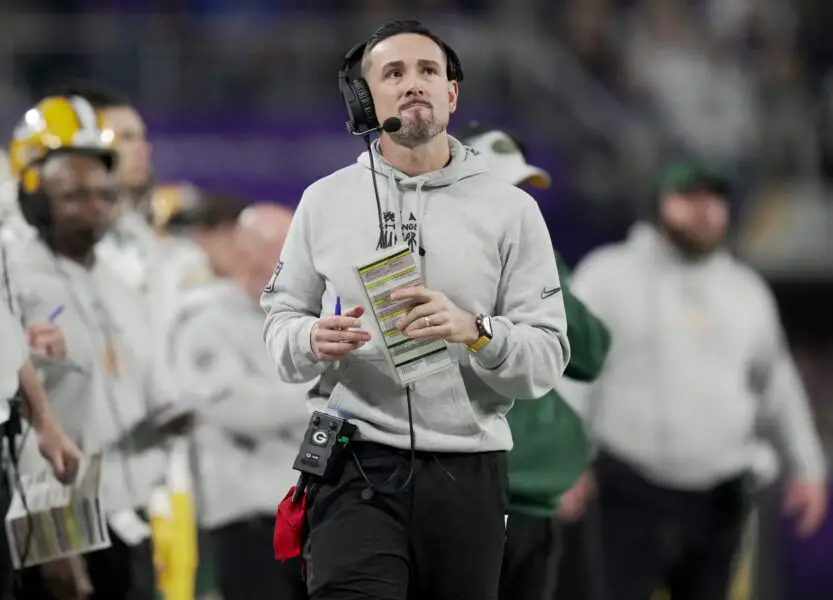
395, 206
463, 164
399, 216
421, 208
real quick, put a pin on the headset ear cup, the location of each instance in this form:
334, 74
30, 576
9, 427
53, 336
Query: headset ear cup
365, 99
34, 206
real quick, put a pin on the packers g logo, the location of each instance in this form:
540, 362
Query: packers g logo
320, 438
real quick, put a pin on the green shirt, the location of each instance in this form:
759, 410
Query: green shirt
551, 446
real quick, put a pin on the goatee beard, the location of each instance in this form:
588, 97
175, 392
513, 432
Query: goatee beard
418, 132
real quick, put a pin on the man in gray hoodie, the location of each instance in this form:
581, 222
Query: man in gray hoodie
698, 371
420, 504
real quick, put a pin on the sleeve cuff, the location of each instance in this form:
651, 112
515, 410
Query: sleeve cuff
302, 345
494, 354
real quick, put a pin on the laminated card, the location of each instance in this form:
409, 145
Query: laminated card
392, 269
56, 521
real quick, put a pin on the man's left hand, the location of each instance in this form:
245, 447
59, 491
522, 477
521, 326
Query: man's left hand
435, 317
807, 502
59, 451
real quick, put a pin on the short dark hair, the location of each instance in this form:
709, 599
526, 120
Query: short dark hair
100, 95
396, 28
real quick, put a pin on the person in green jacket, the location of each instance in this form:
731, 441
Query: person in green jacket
551, 449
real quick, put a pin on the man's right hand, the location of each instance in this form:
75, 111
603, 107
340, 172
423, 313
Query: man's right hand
333, 337
575, 500
58, 449
47, 339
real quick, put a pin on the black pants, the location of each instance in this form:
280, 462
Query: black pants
120, 572
576, 575
246, 566
441, 538
653, 536
530, 558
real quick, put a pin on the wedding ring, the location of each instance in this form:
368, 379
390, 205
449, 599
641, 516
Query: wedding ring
427, 322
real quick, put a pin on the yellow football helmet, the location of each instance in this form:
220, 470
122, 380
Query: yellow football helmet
57, 124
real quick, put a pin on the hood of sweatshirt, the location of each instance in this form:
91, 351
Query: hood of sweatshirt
465, 162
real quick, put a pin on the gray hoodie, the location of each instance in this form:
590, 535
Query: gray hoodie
698, 368
484, 244
105, 387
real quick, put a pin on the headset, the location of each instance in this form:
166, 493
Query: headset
356, 93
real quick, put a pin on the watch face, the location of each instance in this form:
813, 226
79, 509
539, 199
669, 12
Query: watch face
486, 326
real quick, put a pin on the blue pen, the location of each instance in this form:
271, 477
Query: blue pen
338, 306
56, 313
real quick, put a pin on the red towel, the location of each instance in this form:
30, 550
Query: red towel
289, 523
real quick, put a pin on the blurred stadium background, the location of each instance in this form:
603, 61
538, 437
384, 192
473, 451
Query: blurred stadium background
241, 95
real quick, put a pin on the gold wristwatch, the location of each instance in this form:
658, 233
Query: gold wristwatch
484, 330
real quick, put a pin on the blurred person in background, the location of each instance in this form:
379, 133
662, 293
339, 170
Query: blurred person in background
130, 246
551, 449
198, 248
262, 230
88, 330
18, 377
130, 243
698, 370
251, 424
420, 504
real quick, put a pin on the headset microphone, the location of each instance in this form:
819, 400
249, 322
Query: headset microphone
390, 125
